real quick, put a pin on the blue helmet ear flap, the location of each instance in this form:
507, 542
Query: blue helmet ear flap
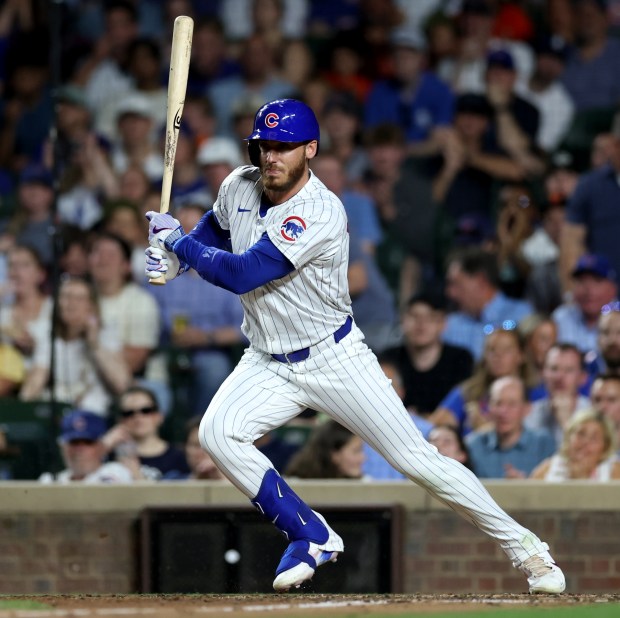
254, 152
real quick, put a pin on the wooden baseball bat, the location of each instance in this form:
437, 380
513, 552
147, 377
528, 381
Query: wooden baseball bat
177, 86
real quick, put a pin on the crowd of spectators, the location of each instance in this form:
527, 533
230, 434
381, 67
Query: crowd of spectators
475, 145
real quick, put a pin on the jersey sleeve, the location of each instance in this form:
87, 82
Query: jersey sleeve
227, 192
219, 207
308, 232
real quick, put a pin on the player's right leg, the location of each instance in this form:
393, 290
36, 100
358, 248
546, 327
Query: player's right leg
361, 398
256, 398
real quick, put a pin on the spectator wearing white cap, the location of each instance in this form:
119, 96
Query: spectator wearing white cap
218, 157
136, 144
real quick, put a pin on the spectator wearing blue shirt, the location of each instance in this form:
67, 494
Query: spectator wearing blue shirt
414, 99
592, 73
592, 218
595, 290
472, 283
258, 76
360, 208
508, 450
466, 406
563, 374
209, 56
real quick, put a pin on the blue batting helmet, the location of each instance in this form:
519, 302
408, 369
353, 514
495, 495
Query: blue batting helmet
283, 120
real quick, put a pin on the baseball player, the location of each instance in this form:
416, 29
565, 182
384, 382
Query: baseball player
278, 237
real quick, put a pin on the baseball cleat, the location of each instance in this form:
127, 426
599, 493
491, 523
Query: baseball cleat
298, 564
543, 575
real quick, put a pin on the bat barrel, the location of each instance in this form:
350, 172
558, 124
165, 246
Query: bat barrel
177, 86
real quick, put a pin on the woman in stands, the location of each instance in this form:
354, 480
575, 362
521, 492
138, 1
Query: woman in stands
587, 451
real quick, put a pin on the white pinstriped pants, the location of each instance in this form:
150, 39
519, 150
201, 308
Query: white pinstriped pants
347, 383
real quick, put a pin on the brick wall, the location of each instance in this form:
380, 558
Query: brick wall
444, 553
67, 553
85, 539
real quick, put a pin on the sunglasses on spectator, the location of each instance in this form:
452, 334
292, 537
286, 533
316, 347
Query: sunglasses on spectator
82, 442
143, 410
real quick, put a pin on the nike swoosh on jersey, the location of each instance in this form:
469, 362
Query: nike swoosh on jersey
301, 519
239, 209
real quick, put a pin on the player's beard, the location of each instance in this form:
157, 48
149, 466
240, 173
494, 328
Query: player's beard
284, 183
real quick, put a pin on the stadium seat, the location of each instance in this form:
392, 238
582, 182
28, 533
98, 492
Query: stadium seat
586, 125
31, 429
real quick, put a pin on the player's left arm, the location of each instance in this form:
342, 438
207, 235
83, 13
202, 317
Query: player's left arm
242, 273
164, 229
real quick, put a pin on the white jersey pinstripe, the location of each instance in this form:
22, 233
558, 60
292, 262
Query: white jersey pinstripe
308, 305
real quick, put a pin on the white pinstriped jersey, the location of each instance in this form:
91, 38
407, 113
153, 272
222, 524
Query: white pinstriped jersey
310, 229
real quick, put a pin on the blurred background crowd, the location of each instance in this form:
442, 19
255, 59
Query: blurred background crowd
475, 145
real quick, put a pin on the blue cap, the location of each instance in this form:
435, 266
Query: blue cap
82, 425
36, 173
594, 264
500, 58
472, 229
552, 45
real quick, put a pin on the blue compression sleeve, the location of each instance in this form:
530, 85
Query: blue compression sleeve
261, 263
208, 232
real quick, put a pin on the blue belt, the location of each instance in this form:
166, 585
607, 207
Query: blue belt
304, 353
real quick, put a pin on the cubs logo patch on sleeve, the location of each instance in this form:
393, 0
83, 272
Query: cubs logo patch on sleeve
292, 228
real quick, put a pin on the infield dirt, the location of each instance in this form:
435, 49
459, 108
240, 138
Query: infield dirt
285, 605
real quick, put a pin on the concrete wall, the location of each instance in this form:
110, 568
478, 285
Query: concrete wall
83, 539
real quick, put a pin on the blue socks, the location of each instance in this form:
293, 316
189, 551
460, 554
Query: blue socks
288, 512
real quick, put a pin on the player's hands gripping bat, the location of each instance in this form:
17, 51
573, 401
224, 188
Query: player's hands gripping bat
162, 264
177, 86
164, 230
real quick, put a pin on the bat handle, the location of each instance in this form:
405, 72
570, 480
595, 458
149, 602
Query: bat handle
161, 280
163, 208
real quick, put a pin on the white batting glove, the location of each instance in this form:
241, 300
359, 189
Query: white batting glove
160, 263
164, 230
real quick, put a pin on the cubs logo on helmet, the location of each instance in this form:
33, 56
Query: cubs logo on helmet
282, 120
271, 120
292, 228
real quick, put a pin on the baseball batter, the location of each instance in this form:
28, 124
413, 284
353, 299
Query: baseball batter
278, 237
